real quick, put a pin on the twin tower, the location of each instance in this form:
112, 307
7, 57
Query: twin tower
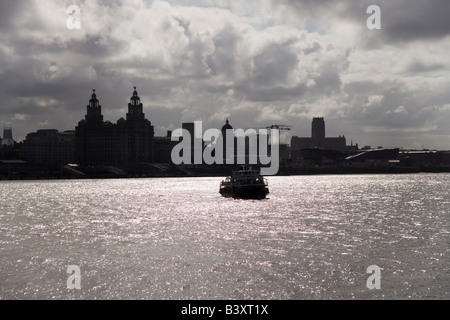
124, 144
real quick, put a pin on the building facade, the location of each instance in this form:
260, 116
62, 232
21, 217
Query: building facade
49, 148
162, 147
318, 139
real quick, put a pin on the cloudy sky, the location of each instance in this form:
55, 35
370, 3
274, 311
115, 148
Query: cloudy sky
257, 63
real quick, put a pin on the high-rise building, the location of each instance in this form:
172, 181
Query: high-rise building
318, 130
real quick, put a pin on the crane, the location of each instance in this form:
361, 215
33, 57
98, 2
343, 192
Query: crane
279, 126
284, 149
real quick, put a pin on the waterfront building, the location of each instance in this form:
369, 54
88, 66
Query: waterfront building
318, 139
138, 131
374, 158
126, 143
163, 148
48, 148
97, 141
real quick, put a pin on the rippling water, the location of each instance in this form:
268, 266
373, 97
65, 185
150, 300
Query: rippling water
179, 239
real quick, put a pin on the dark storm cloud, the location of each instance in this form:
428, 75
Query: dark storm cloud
418, 67
96, 46
270, 94
273, 64
9, 10
329, 79
326, 9
414, 20
401, 20
403, 102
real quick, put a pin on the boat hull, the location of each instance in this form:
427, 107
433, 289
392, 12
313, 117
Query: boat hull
245, 184
244, 192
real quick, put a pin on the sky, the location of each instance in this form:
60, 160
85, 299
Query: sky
257, 63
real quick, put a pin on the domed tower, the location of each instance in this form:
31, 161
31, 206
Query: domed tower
140, 132
135, 107
94, 110
226, 127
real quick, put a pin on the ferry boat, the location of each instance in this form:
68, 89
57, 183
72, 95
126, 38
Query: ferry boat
245, 183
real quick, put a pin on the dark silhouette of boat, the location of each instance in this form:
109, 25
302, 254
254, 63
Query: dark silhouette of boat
245, 183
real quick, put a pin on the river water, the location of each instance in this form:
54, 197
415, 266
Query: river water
313, 238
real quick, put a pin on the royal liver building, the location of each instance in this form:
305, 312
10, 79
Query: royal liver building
124, 144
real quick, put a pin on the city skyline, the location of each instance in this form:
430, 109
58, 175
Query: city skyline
278, 62
285, 139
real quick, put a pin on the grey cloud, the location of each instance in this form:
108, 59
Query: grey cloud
329, 80
223, 60
272, 66
9, 10
419, 67
271, 94
401, 20
398, 109
413, 20
95, 46
314, 48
